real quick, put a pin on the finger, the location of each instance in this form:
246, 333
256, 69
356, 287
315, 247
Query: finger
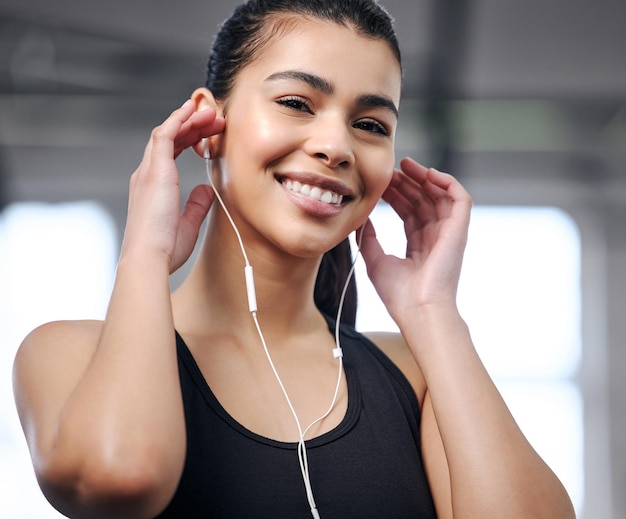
447, 183
451, 198
442, 189
161, 138
200, 125
197, 206
436, 183
371, 250
413, 169
164, 135
432, 181
193, 214
409, 201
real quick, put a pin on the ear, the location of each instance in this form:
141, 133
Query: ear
203, 99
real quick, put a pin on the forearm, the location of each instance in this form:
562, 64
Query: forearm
494, 471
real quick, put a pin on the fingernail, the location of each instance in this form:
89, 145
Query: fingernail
186, 103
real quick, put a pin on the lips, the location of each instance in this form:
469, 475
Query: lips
326, 196
316, 189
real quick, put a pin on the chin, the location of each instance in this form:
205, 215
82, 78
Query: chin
309, 247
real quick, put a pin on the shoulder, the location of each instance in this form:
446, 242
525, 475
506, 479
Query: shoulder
58, 337
395, 348
51, 356
67, 329
59, 346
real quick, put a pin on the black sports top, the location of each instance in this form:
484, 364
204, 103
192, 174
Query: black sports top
369, 466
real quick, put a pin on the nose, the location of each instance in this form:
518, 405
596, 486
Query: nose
331, 142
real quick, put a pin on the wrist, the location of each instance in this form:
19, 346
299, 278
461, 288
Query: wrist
143, 262
428, 313
435, 324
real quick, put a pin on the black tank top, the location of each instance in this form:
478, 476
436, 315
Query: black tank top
369, 466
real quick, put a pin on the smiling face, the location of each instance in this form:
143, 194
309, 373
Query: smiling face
309, 143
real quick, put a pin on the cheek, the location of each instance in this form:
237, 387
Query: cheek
256, 137
378, 178
375, 184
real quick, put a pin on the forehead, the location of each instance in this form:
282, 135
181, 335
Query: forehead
329, 49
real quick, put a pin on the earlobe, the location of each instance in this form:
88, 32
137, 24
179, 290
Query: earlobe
203, 99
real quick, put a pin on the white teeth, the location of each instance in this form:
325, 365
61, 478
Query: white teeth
314, 192
327, 197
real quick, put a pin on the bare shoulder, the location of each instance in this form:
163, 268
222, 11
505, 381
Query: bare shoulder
395, 347
64, 338
63, 346
48, 364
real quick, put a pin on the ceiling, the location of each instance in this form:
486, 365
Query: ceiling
481, 76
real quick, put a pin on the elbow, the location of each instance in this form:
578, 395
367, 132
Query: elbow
123, 489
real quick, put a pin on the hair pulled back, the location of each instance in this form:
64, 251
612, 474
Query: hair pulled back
243, 36
255, 23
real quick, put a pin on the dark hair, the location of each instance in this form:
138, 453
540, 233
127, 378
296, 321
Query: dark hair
254, 25
331, 278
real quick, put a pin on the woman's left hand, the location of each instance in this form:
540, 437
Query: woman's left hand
435, 209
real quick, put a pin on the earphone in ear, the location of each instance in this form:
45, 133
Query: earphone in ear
205, 148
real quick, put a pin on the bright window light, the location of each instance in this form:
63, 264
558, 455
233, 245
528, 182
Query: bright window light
520, 291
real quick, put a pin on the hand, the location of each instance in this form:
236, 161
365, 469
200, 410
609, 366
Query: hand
435, 209
155, 224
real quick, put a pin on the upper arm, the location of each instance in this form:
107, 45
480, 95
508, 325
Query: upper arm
435, 461
48, 366
433, 454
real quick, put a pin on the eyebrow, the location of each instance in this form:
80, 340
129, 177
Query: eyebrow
324, 86
376, 101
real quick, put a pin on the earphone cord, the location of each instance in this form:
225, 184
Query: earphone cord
337, 351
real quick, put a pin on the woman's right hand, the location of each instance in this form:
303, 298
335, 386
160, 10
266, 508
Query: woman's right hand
155, 224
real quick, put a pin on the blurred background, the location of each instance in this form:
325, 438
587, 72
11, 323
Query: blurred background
524, 101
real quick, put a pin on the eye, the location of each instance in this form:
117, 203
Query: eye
371, 125
295, 103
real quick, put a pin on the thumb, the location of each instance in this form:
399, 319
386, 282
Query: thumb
194, 212
371, 249
196, 208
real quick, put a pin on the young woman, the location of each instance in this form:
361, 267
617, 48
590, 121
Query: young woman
208, 403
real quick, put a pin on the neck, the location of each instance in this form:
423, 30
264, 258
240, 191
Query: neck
214, 296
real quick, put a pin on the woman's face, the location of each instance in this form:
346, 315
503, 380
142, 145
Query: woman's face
309, 142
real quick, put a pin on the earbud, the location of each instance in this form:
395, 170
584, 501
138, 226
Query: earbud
205, 148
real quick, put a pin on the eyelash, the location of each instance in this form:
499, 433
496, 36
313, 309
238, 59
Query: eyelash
377, 127
295, 103
301, 105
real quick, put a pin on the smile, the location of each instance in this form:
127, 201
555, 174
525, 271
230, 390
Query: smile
314, 192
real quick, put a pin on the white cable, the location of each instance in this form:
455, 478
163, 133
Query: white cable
207, 162
337, 352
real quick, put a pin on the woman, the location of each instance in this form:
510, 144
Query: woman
198, 403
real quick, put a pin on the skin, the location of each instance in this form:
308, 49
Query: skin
89, 399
